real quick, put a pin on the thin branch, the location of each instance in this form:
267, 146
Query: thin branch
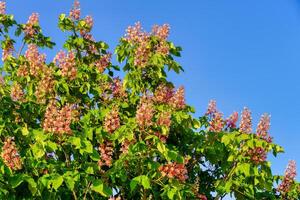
21, 49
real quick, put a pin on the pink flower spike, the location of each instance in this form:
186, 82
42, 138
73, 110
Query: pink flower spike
246, 121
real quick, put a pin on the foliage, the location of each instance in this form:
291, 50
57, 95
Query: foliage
71, 130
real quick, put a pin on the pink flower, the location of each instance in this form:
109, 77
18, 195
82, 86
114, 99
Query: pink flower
10, 155
212, 108
246, 121
289, 178
164, 119
174, 170
178, 101
7, 50
162, 32
144, 113
232, 120
257, 155
263, 128
112, 121
106, 153
2, 8
135, 34
117, 88
67, 63
17, 93
75, 11
163, 93
33, 21
57, 120
35, 59
103, 62
217, 122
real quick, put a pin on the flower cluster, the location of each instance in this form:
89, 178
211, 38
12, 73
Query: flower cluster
164, 119
174, 170
135, 34
144, 113
232, 120
67, 63
289, 178
17, 93
36, 62
112, 121
58, 120
217, 122
44, 87
125, 146
162, 32
163, 93
117, 88
257, 155
7, 50
2, 7
30, 27
263, 128
75, 11
84, 32
10, 155
178, 101
142, 54
212, 108
103, 62
246, 121
106, 152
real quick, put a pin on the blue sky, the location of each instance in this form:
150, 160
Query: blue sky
240, 53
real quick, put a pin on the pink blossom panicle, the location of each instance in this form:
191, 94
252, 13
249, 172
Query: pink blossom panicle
103, 62
178, 100
75, 11
112, 120
144, 113
263, 128
33, 21
289, 177
2, 7
106, 152
67, 63
163, 93
246, 121
174, 170
217, 123
162, 32
232, 120
58, 121
212, 108
10, 155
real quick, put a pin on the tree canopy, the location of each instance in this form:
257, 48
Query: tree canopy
71, 129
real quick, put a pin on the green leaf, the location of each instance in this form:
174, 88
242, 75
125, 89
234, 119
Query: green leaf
37, 150
76, 141
25, 131
142, 180
32, 186
16, 180
102, 189
56, 181
171, 193
69, 182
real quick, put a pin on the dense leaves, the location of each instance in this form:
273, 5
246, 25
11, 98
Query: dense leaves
69, 129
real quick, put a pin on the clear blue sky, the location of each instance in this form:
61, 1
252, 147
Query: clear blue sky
241, 53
